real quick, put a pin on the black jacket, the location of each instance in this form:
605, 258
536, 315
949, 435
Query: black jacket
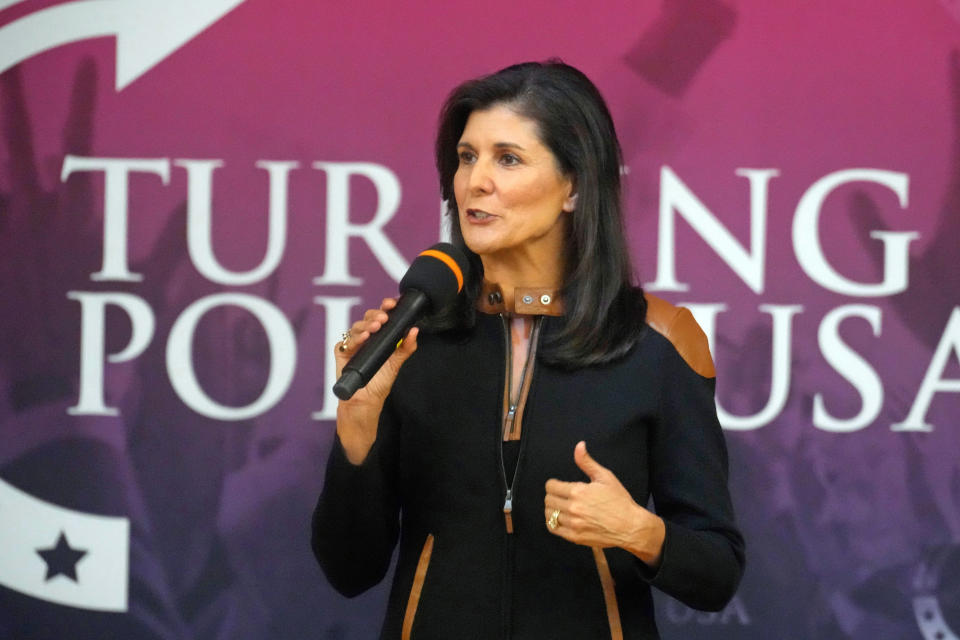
434, 477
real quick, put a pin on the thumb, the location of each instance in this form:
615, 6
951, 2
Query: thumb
405, 349
594, 470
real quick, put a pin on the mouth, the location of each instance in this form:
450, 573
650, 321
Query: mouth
478, 215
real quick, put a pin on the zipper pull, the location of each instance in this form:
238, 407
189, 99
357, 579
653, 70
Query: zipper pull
508, 510
508, 422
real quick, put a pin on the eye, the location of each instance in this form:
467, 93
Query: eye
509, 159
467, 157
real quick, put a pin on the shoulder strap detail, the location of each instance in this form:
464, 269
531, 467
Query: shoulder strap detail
678, 325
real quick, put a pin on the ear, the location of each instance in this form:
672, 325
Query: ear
570, 203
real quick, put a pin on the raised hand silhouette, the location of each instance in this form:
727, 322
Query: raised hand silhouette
50, 244
934, 276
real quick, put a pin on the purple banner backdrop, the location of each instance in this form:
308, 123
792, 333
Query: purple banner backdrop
195, 197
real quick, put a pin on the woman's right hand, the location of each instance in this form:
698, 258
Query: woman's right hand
357, 418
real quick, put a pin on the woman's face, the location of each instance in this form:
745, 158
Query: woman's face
511, 195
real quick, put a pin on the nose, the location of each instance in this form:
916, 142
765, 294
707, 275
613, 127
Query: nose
480, 180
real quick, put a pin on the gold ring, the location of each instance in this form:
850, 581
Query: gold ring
554, 520
344, 341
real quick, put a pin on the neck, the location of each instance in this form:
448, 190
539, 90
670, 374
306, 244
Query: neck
511, 272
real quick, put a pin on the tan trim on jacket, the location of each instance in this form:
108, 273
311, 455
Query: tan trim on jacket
609, 594
418, 578
677, 325
534, 301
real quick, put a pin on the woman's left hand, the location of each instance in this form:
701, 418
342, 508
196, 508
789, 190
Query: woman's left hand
601, 512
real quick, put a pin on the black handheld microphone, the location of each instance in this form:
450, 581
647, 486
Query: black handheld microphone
431, 283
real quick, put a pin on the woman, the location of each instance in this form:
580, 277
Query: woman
475, 453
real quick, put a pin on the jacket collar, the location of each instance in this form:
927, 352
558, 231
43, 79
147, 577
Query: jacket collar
538, 301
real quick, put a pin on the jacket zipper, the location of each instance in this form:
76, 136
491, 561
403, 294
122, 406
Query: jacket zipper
513, 409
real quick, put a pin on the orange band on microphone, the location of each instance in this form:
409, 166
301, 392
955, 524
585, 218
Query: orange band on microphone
450, 262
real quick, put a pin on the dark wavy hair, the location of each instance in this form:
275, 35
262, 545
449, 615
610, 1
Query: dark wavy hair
604, 309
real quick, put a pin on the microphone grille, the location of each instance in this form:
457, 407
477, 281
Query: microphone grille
439, 272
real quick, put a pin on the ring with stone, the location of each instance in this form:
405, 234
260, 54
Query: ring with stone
344, 341
554, 520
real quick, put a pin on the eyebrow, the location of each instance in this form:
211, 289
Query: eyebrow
498, 145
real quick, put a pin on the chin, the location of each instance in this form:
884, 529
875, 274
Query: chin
480, 246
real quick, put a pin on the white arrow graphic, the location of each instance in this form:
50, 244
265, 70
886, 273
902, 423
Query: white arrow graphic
147, 31
9, 3
28, 523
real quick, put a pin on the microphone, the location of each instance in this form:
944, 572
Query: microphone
431, 283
